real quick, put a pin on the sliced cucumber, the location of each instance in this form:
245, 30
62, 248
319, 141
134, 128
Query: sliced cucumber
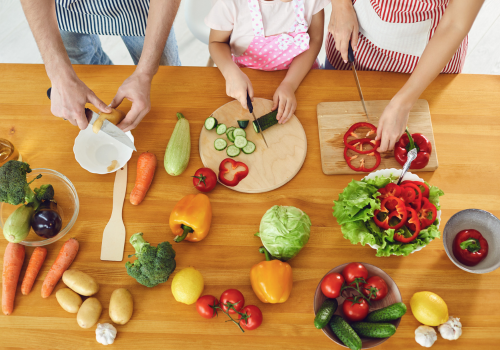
243, 123
220, 144
221, 129
266, 121
230, 128
230, 135
240, 141
210, 123
249, 148
233, 151
239, 132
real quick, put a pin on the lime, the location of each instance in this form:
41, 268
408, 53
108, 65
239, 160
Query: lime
187, 285
429, 308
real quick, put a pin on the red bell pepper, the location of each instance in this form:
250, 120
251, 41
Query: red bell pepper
238, 176
408, 194
399, 212
422, 185
408, 142
412, 224
417, 202
361, 167
360, 142
470, 247
427, 213
352, 131
389, 190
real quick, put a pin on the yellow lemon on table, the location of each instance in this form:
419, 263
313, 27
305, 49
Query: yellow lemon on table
429, 308
187, 285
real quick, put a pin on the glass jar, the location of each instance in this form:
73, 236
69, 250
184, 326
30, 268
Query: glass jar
8, 152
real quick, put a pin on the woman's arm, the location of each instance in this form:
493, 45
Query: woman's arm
451, 31
237, 82
284, 97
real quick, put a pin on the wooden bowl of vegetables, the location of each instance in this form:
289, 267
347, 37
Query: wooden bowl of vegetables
356, 314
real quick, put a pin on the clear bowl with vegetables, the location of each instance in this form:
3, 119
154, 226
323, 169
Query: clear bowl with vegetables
67, 205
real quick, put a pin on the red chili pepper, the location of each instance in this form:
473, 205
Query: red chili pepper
423, 214
422, 185
412, 224
354, 127
417, 202
407, 142
470, 247
240, 175
399, 212
362, 161
360, 142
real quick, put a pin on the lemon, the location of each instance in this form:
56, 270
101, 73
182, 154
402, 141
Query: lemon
187, 285
429, 308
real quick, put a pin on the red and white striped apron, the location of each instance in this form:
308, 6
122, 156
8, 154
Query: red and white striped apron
393, 35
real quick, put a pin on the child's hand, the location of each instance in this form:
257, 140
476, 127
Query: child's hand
344, 26
392, 125
284, 98
237, 85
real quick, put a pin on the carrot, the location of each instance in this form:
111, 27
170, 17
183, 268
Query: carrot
13, 260
146, 166
34, 266
63, 261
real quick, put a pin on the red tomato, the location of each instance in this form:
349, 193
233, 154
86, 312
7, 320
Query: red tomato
203, 306
204, 179
355, 311
254, 320
376, 284
354, 270
331, 284
234, 297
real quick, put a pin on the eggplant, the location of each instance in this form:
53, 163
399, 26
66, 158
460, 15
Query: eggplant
47, 222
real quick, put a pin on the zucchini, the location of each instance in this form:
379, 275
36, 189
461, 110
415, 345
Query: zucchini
179, 148
239, 132
210, 123
243, 123
388, 313
266, 121
325, 312
221, 129
345, 333
249, 148
240, 141
17, 227
220, 144
374, 330
230, 135
233, 151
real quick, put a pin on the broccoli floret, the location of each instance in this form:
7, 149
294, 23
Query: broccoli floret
14, 189
153, 264
44, 193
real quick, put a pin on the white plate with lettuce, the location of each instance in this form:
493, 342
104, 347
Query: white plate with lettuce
356, 205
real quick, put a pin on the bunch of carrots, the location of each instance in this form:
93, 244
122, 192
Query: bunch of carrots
13, 262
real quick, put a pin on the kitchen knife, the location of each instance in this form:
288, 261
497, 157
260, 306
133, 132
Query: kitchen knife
350, 56
107, 127
250, 108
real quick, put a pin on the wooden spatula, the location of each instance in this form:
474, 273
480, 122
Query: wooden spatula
113, 238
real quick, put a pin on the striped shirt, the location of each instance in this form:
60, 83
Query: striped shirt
372, 57
103, 17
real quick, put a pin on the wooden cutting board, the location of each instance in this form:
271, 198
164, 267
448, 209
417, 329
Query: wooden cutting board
269, 168
335, 118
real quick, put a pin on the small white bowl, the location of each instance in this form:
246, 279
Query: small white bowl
96, 152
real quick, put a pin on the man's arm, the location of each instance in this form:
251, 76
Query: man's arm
137, 87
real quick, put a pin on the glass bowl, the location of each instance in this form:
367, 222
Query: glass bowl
67, 205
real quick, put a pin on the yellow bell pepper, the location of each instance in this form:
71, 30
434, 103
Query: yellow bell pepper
271, 279
191, 218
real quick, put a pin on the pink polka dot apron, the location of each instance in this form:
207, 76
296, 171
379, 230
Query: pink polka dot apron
278, 51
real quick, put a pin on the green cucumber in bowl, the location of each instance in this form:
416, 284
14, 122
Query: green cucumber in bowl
388, 313
221, 129
243, 123
233, 151
230, 135
325, 313
220, 144
345, 333
179, 148
210, 123
240, 141
239, 132
374, 330
265, 122
249, 148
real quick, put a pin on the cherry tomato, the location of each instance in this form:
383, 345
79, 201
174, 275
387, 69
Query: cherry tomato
331, 284
204, 179
234, 297
354, 270
203, 306
254, 320
375, 283
355, 311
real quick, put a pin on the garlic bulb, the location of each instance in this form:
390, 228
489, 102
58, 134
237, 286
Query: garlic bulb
451, 329
425, 336
105, 333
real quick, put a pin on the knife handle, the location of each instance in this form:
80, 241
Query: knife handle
249, 103
350, 53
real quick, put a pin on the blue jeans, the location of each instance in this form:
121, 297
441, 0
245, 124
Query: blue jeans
87, 49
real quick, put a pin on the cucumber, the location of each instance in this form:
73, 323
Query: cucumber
179, 148
389, 313
345, 333
266, 121
374, 330
243, 123
240, 141
230, 135
249, 148
229, 129
239, 132
221, 129
325, 312
220, 144
210, 123
233, 151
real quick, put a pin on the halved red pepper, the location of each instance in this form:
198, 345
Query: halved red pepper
362, 161
240, 175
427, 208
412, 224
399, 212
360, 142
422, 185
417, 202
408, 142
354, 127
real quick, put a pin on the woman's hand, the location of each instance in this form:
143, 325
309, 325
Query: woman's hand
344, 26
284, 99
237, 85
392, 124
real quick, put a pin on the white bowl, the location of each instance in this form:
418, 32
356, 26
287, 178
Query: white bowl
96, 152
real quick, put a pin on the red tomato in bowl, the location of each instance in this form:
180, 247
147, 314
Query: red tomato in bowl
331, 284
204, 179
355, 311
204, 306
254, 320
377, 285
234, 297
354, 270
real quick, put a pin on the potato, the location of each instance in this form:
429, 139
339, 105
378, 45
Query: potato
69, 300
89, 313
121, 306
114, 117
80, 282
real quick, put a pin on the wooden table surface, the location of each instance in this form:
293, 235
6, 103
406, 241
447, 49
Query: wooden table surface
465, 113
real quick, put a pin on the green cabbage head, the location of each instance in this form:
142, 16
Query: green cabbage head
284, 230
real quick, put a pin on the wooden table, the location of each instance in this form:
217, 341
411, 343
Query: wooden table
466, 120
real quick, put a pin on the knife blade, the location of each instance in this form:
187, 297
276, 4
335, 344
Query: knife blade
250, 108
350, 56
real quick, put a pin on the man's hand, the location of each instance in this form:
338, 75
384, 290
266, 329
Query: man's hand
136, 89
284, 99
237, 85
392, 125
344, 26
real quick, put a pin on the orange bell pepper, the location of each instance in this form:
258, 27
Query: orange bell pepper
191, 218
271, 279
